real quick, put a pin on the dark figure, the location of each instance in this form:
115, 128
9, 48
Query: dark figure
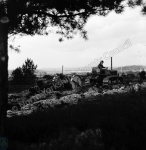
102, 68
76, 82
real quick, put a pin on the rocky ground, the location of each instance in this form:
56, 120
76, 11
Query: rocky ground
24, 105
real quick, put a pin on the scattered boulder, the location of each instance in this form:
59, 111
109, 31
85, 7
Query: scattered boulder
20, 104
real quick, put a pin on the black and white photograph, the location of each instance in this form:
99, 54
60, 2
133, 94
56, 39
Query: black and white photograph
72, 74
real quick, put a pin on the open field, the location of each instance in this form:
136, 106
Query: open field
114, 122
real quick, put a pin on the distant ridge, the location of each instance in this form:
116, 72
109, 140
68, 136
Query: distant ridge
133, 68
123, 68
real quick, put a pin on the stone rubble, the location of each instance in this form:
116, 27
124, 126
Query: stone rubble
69, 98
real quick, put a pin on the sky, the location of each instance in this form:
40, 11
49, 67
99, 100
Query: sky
122, 36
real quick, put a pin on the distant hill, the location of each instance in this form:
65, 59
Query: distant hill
42, 71
133, 68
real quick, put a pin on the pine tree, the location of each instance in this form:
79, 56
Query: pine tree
28, 69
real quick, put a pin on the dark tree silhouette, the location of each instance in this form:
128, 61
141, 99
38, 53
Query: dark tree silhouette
32, 17
28, 70
24, 74
17, 76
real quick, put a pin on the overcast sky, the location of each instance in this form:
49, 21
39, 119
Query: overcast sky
105, 35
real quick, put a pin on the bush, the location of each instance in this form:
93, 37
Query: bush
24, 74
17, 76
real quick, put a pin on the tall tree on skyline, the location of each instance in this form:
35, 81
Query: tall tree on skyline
30, 17
28, 69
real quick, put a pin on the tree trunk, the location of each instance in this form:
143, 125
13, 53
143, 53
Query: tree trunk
3, 75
